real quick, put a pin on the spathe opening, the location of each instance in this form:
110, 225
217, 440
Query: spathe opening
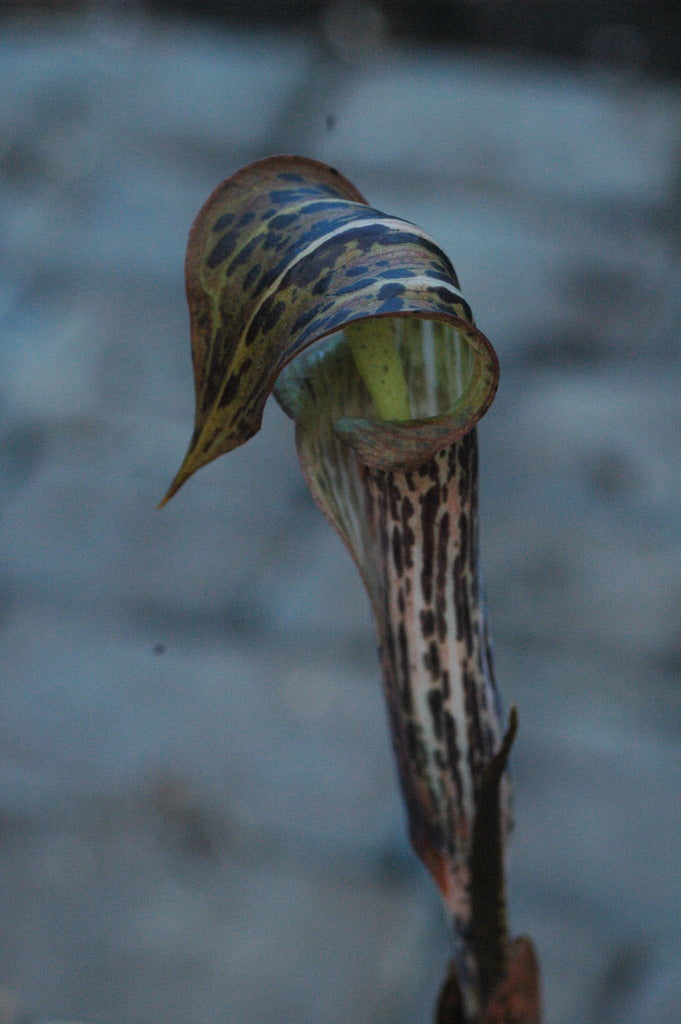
397, 389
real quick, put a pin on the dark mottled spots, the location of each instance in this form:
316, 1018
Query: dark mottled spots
379, 234
430, 503
403, 651
393, 493
230, 390
462, 604
315, 328
321, 286
282, 196
468, 457
336, 320
282, 220
223, 248
441, 760
441, 561
327, 256
273, 240
443, 258
463, 553
467, 311
295, 195
331, 252
355, 286
478, 737
304, 319
265, 319
438, 274
412, 738
232, 385
383, 528
406, 701
427, 622
452, 747
392, 290
388, 235
443, 540
244, 254
356, 271
222, 222
441, 614
446, 296
252, 276
431, 660
407, 512
396, 273
435, 705
393, 306
397, 552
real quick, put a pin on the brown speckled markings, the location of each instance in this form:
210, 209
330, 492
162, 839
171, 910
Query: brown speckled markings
442, 702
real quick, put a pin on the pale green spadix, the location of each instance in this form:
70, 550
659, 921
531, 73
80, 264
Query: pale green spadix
372, 344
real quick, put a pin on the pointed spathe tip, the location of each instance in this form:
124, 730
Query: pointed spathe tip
172, 490
204, 448
189, 466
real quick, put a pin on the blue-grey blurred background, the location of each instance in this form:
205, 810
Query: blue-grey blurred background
199, 819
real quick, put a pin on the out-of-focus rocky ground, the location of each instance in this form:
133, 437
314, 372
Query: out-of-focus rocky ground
199, 820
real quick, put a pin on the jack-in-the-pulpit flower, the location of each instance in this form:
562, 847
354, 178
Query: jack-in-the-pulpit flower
355, 320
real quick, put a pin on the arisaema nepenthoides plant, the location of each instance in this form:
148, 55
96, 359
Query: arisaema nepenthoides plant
354, 319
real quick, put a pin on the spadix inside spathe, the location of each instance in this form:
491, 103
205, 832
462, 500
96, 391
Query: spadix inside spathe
397, 389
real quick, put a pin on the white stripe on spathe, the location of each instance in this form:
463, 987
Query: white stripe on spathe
393, 222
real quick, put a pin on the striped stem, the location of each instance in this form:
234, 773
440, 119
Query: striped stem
442, 702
